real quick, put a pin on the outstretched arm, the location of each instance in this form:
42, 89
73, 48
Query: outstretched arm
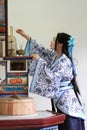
22, 33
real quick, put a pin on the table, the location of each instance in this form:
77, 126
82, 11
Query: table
38, 120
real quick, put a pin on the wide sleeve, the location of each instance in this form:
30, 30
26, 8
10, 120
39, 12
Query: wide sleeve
46, 82
33, 47
29, 49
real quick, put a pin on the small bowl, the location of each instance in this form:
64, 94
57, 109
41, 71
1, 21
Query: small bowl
20, 52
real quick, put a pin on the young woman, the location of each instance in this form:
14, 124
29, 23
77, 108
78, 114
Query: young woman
54, 77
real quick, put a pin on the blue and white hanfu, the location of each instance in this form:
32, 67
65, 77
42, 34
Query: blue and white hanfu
52, 79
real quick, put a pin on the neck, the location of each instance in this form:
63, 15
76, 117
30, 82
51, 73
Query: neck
59, 54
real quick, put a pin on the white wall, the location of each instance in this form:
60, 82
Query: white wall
42, 19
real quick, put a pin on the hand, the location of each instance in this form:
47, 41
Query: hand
22, 33
35, 56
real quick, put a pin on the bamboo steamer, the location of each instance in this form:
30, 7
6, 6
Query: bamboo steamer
21, 106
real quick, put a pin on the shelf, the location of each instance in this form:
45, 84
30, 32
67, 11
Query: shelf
18, 58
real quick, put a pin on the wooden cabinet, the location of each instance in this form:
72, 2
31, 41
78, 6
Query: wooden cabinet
13, 72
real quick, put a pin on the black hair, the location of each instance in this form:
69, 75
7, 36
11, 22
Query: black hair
63, 38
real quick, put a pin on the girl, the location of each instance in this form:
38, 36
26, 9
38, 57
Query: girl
54, 77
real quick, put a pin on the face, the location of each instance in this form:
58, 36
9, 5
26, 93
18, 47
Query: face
52, 44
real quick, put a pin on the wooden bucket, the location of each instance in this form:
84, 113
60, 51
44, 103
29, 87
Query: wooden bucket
22, 106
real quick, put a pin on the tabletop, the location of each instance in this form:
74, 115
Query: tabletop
40, 119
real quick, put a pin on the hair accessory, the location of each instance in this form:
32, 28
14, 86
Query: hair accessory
71, 41
71, 44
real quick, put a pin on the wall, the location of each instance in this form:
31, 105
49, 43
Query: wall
42, 19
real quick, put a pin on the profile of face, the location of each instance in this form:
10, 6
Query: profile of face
52, 44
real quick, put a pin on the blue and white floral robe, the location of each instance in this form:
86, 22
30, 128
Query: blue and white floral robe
52, 79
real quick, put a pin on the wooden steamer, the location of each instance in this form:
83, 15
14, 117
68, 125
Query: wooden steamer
21, 106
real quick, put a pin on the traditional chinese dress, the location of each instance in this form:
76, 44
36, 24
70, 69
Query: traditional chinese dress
52, 79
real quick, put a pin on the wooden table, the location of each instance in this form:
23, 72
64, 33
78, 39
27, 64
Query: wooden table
38, 120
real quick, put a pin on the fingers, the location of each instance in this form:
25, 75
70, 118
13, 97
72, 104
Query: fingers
19, 30
35, 56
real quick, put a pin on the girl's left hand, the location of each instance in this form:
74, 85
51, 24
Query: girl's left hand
35, 56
